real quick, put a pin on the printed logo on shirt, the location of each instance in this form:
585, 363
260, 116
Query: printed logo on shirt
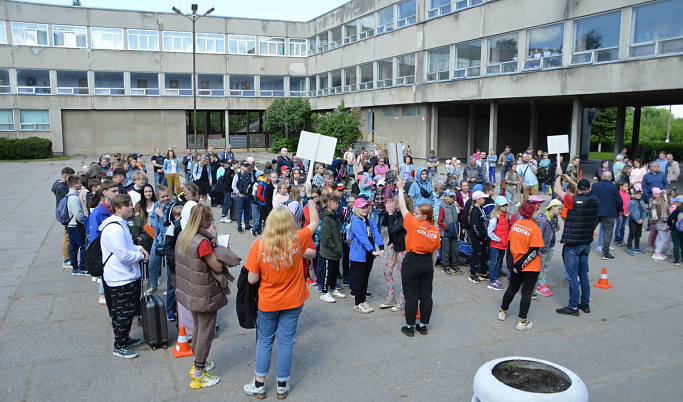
522, 230
427, 234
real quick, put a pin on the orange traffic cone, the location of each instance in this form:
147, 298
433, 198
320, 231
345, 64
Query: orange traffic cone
603, 282
182, 347
417, 317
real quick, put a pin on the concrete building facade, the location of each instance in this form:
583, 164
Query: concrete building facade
450, 75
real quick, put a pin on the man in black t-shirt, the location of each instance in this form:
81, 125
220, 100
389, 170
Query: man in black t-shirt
158, 164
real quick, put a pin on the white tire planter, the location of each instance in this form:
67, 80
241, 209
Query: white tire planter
488, 388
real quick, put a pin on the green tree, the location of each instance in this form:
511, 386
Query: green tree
343, 124
604, 125
284, 119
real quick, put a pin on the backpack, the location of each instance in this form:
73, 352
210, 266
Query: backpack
93, 256
679, 222
316, 237
299, 215
347, 230
62, 211
218, 186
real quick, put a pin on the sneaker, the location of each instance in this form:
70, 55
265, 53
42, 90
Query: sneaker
326, 297
543, 291
658, 257
495, 285
677, 263
206, 380
607, 256
345, 282
408, 331
94, 279
99, 280
339, 287
585, 308
484, 277
399, 306
133, 342
240, 230
533, 295
208, 366
283, 391
360, 308
253, 233
388, 303
567, 311
125, 352
66, 264
638, 251
518, 204
248, 227
319, 288
338, 294
502, 315
74, 272
474, 279
523, 324
228, 220
457, 271
422, 329
310, 281
171, 318
629, 251
650, 248
368, 294
352, 293
102, 301
446, 271
367, 307
165, 293
598, 249
223, 219
152, 291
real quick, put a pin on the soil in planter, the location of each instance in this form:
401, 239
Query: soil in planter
529, 379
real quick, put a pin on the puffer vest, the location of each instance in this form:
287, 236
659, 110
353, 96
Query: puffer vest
502, 231
196, 288
581, 221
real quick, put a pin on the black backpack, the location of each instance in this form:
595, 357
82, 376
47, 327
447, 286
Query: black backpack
93, 256
246, 302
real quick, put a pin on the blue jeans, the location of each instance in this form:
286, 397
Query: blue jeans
76, 241
170, 292
599, 239
227, 203
502, 175
284, 323
256, 213
243, 211
620, 228
492, 174
576, 272
378, 216
349, 169
545, 188
154, 266
159, 179
319, 270
495, 262
187, 176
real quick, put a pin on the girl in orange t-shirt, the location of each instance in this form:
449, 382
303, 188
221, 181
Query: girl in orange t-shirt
525, 242
423, 239
276, 260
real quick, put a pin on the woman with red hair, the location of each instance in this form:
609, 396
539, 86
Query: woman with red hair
525, 240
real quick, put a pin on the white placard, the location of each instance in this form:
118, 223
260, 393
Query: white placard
394, 152
558, 144
224, 240
316, 148
308, 145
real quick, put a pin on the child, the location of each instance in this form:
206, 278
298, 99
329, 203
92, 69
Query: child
330, 248
622, 221
492, 159
76, 227
660, 207
396, 255
652, 217
477, 221
345, 217
281, 197
315, 194
498, 230
676, 233
139, 180
637, 215
328, 177
382, 195
318, 179
450, 230
549, 224
511, 181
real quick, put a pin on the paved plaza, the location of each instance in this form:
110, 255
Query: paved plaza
56, 341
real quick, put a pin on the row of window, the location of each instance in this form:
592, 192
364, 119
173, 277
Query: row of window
29, 120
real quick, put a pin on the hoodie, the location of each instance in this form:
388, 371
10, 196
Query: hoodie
330, 236
123, 267
426, 185
60, 189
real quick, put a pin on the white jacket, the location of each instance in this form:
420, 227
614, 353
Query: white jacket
123, 267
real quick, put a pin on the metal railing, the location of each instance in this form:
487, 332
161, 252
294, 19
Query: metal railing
72, 91
272, 94
177, 92
110, 91
542, 63
32, 90
388, 83
366, 34
364, 86
211, 92
437, 76
144, 91
656, 48
407, 80
351, 39
501, 68
242, 92
350, 88
596, 56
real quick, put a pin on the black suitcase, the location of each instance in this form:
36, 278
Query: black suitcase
154, 326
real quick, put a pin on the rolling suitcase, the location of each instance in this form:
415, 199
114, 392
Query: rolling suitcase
154, 326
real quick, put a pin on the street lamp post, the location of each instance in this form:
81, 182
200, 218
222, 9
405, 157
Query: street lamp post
194, 17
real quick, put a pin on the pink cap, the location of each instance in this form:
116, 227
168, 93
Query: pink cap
479, 194
656, 190
535, 198
360, 203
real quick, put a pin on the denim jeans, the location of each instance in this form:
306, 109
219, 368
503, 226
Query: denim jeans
497, 255
243, 211
158, 180
76, 242
349, 169
256, 213
378, 216
187, 176
284, 324
492, 174
154, 268
620, 228
502, 175
576, 272
227, 203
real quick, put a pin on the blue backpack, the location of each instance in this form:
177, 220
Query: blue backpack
346, 229
679, 222
62, 211
299, 215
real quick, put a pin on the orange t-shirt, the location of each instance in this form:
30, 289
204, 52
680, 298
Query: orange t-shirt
285, 288
524, 235
422, 237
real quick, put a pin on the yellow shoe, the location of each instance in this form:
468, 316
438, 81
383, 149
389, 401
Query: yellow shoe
206, 380
208, 366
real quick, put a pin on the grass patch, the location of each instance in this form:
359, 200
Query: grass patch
601, 155
54, 158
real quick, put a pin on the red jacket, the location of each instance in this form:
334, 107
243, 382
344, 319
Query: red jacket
502, 231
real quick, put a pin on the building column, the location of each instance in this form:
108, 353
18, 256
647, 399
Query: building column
620, 125
635, 138
434, 129
575, 136
493, 125
533, 126
470, 132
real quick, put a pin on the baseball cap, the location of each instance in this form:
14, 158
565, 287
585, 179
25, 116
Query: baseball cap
656, 190
133, 155
553, 203
245, 163
448, 191
360, 203
282, 169
679, 198
381, 182
535, 198
637, 190
500, 200
339, 186
479, 194
584, 184
478, 187
249, 159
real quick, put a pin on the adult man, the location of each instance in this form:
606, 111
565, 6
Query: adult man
663, 163
284, 160
373, 159
240, 187
673, 169
473, 173
209, 151
527, 172
654, 178
186, 162
158, 166
582, 217
227, 153
611, 207
503, 158
432, 166
60, 188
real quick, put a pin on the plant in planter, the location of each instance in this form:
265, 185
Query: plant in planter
526, 379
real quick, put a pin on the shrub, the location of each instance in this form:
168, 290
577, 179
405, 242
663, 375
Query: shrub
25, 148
279, 141
675, 148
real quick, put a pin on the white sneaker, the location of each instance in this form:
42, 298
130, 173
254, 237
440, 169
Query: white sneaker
250, 388
367, 307
338, 294
360, 308
228, 220
99, 280
502, 315
102, 301
223, 219
94, 279
326, 297
522, 325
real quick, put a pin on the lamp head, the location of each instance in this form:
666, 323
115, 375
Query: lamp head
177, 11
194, 9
